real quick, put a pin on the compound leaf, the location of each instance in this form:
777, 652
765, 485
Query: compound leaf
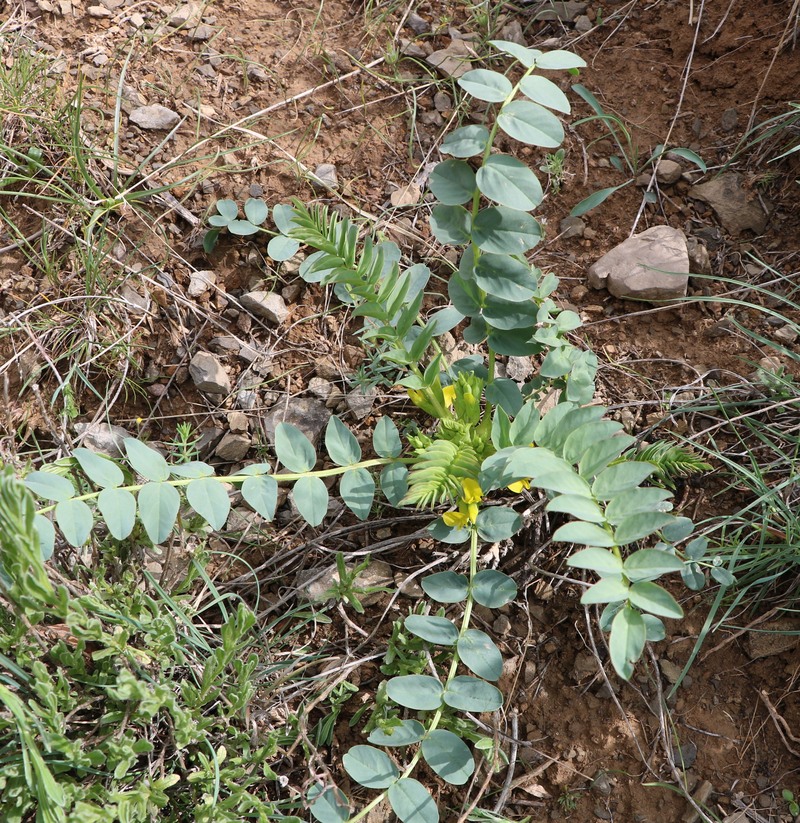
75, 520
118, 508
509, 182
50, 486
158, 508
210, 500
386, 438
310, 496
486, 85
404, 733
293, 448
626, 643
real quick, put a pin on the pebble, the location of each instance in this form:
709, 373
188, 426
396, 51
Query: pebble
733, 203
237, 422
255, 72
513, 33
601, 783
154, 117
519, 368
325, 177
361, 403
102, 437
98, 11
188, 13
200, 282
308, 414
208, 374
786, 334
571, 227
701, 795
668, 172
233, 447
247, 399
417, 24
583, 24
408, 48
685, 755
201, 32
453, 61
269, 305
730, 120
406, 195
566, 11
442, 102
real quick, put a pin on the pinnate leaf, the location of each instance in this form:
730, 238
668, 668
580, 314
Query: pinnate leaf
626, 643
447, 587
490, 588
50, 486
468, 694
480, 655
293, 448
341, 443
146, 461
412, 802
210, 500
447, 754
370, 767
357, 489
118, 508
261, 493
158, 507
99, 469
620, 478
420, 692
310, 495
75, 520
433, 629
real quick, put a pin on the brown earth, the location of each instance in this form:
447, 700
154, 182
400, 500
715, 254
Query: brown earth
305, 83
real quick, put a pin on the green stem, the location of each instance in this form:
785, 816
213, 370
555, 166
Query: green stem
437, 717
240, 478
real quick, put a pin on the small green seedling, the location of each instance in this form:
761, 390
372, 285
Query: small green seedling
256, 212
794, 806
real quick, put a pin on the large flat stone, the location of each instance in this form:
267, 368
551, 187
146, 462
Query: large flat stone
737, 209
653, 265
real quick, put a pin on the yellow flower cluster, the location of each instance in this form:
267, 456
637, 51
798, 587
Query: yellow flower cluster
467, 512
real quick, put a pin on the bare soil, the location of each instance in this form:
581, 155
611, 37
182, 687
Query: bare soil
307, 82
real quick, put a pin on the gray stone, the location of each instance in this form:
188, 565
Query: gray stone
653, 265
309, 415
668, 172
732, 203
513, 33
417, 24
185, 14
519, 368
201, 32
266, 304
565, 11
155, 117
325, 177
698, 256
102, 437
247, 399
208, 374
237, 422
601, 783
583, 24
361, 403
255, 72
137, 303
98, 11
730, 120
684, 755
320, 388
200, 282
233, 447
571, 227
226, 344
453, 61
670, 670
442, 101
786, 334
408, 48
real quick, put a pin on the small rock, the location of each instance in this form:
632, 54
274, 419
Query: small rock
732, 203
578, 293
361, 402
200, 282
442, 102
255, 72
269, 305
583, 24
137, 303
320, 388
519, 368
102, 437
786, 334
554, 10
327, 368
571, 227
98, 11
247, 399
237, 422
513, 33
772, 639
685, 755
730, 120
325, 177
233, 447
668, 172
530, 672
501, 625
602, 813
417, 24
653, 265
701, 795
208, 374
453, 61
186, 14
405, 196
201, 32
699, 258
589, 233
601, 783
309, 415
408, 48
154, 117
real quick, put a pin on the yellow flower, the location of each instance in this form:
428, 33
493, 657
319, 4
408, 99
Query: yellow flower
468, 507
519, 486
449, 393
417, 397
